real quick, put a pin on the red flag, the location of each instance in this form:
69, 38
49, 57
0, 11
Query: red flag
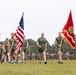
68, 31
19, 34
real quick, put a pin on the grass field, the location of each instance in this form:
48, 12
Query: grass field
34, 68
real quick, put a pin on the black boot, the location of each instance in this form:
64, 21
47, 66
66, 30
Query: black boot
61, 62
58, 61
45, 62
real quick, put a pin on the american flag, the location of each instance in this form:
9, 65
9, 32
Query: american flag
19, 34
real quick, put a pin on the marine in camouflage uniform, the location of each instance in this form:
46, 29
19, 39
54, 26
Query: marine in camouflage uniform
7, 46
24, 46
42, 44
60, 42
13, 43
23, 49
6, 50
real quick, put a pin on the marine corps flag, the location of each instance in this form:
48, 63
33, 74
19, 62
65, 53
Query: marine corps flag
68, 31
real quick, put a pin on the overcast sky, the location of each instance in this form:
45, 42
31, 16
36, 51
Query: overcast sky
48, 16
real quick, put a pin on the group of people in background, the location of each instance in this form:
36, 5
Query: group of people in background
8, 49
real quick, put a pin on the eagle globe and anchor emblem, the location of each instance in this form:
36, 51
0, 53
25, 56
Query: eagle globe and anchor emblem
70, 29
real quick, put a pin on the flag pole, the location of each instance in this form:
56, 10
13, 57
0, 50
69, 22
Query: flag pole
60, 44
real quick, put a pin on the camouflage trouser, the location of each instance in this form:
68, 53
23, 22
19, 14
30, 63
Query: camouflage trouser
4, 52
13, 49
23, 50
41, 49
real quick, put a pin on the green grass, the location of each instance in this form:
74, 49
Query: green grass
34, 68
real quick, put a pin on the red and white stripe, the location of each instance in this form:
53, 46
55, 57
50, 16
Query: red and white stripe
19, 35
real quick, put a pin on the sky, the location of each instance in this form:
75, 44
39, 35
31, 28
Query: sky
48, 16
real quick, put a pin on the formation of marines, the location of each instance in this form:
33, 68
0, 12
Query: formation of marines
8, 49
